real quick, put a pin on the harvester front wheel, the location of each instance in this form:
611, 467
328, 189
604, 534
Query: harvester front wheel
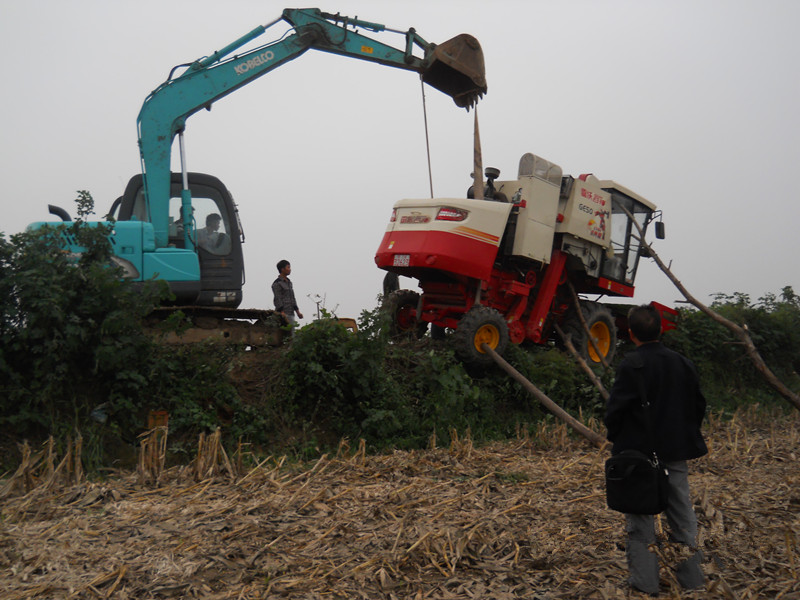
480, 325
602, 330
402, 308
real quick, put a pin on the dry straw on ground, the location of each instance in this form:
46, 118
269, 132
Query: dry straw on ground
523, 519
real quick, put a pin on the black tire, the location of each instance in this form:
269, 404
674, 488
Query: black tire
480, 325
402, 308
438, 332
391, 283
602, 327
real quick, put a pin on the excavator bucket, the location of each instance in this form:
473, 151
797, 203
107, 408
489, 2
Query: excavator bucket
456, 68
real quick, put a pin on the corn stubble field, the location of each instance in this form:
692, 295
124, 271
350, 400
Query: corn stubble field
521, 519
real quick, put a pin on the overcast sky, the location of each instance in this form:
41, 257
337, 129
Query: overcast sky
691, 104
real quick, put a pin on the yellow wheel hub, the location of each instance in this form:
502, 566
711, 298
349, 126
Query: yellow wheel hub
486, 334
602, 339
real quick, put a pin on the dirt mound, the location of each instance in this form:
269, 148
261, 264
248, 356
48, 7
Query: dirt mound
524, 519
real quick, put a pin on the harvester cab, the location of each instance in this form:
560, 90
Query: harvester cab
585, 218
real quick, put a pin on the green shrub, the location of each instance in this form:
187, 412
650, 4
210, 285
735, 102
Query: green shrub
70, 333
74, 359
333, 378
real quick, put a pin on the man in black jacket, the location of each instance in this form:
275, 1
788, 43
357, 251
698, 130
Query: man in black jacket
676, 410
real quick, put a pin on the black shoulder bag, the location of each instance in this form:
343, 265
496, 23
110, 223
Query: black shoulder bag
635, 482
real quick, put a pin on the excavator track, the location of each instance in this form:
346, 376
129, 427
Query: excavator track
194, 324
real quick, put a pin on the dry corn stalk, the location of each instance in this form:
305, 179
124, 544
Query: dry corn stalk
211, 459
38, 471
509, 521
152, 455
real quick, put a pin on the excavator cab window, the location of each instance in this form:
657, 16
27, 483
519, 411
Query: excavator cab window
140, 212
211, 223
212, 213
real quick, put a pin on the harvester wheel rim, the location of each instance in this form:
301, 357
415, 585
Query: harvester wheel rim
406, 318
486, 334
601, 335
480, 325
601, 328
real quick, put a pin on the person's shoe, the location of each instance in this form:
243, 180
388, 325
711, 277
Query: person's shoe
650, 590
690, 574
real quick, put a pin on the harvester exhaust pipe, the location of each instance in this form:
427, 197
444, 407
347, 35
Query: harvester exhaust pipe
456, 67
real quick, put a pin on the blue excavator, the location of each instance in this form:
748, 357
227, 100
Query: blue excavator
183, 227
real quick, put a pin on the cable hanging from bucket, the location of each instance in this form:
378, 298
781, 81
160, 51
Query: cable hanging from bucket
477, 171
427, 139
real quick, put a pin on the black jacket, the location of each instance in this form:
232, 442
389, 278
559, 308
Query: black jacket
677, 406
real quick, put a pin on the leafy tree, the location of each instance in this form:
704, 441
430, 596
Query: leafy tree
70, 336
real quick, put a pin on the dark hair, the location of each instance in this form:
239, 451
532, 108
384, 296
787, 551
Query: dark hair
645, 322
212, 217
281, 264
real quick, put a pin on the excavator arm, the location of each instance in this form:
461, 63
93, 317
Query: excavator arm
455, 67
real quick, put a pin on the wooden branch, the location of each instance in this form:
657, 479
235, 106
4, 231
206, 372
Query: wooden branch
594, 437
581, 362
589, 336
738, 331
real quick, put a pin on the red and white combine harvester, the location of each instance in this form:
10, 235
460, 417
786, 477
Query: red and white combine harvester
500, 269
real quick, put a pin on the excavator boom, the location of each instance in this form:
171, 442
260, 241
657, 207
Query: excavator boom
455, 67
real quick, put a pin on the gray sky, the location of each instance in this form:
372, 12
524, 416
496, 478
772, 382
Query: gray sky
692, 104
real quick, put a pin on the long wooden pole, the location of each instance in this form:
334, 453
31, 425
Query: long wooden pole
594, 437
739, 332
582, 363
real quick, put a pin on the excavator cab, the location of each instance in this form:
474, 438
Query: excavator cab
218, 250
457, 69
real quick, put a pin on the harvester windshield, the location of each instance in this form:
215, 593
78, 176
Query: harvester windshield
624, 235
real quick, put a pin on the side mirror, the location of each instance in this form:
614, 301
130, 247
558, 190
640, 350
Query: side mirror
660, 233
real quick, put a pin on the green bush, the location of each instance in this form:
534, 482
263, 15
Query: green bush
69, 332
433, 394
74, 359
332, 373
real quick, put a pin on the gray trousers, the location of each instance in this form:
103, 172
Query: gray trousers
643, 564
